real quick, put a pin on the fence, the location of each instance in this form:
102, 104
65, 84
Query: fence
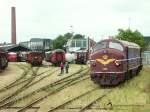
146, 57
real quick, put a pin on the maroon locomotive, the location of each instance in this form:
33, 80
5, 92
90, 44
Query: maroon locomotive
35, 58
12, 57
114, 61
3, 59
57, 56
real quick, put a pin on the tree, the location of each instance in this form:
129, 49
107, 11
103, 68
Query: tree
77, 36
132, 36
61, 40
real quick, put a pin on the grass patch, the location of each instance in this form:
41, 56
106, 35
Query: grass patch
132, 96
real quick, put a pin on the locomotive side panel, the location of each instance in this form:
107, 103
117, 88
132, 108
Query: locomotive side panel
134, 58
57, 57
134, 62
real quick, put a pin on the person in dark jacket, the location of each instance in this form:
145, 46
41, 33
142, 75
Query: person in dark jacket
66, 66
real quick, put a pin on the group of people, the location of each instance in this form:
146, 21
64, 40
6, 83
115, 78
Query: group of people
64, 66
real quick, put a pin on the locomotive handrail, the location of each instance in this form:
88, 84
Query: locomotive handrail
122, 59
129, 59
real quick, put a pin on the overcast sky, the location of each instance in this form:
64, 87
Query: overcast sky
94, 18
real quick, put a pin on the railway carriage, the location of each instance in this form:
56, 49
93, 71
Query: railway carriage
57, 56
81, 56
35, 58
3, 59
12, 57
114, 61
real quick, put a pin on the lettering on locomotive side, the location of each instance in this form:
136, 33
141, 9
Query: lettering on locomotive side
105, 60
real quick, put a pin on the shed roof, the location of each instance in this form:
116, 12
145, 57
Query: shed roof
14, 48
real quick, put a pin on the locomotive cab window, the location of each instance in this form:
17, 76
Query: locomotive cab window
100, 45
116, 45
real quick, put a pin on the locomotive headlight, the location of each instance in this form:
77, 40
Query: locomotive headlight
117, 63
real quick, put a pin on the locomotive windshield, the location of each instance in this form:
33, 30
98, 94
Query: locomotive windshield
116, 45
100, 45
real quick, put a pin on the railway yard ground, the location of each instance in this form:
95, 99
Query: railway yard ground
24, 88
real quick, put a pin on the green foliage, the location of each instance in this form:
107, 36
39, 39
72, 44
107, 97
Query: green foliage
77, 36
61, 40
132, 36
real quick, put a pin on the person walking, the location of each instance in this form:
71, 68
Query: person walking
62, 68
66, 66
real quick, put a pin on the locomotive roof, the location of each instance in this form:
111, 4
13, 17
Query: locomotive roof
12, 53
130, 44
125, 43
58, 50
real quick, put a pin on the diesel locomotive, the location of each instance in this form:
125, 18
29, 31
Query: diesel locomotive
114, 61
3, 59
12, 57
57, 56
35, 58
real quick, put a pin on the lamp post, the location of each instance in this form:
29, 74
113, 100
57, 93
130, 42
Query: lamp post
129, 22
71, 28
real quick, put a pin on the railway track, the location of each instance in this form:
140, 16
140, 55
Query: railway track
25, 80
69, 101
109, 90
28, 82
22, 79
56, 89
84, 107
25, 71
18, 90
23, 97
14, 109
92, 102
15, 98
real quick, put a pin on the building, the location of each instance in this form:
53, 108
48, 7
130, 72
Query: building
14, 47
80, 48
76, 44
147, 39
38, 44
26, 44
